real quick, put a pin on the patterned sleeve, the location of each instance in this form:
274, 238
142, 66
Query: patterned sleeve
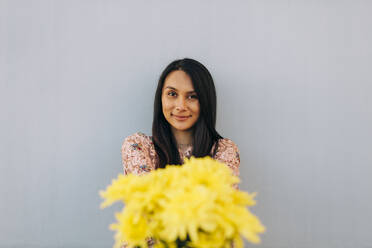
228, 153
136, 160
135, 154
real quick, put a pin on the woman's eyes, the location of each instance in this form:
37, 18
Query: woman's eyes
172, 93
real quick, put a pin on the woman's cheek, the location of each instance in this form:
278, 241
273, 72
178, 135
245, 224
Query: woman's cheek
168, 107
165, 104
195, 107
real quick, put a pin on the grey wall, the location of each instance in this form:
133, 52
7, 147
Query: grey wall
294, 92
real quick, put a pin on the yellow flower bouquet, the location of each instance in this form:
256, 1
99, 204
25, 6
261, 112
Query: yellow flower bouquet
193, 205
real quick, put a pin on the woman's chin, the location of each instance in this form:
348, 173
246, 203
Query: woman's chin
181, 127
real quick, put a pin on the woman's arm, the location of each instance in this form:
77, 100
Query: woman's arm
229, 154
136, 160
135, 154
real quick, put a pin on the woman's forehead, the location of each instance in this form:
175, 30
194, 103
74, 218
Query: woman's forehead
178, 80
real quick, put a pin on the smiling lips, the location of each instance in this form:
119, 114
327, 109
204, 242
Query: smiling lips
181, 118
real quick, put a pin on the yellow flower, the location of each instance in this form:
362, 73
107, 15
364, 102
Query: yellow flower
194, 202
131, 228
210, 240
185, 211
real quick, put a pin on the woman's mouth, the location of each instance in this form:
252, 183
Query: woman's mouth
181, 118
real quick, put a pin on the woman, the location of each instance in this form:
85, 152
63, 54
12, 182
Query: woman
183, 124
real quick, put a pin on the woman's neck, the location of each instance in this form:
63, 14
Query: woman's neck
182, 137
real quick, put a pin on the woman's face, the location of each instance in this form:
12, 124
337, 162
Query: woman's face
180, 103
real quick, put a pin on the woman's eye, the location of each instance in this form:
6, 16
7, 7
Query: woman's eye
193, 97
171, 93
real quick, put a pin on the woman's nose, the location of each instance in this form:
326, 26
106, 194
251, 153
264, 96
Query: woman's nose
181, 103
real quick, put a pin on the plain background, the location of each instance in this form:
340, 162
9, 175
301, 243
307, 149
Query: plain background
294, 90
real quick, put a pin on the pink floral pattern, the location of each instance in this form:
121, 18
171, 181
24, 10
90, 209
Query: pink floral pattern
139, 156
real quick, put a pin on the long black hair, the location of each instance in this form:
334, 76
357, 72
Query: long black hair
204, 132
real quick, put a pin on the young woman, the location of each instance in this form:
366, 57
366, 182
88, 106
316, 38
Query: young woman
183, 124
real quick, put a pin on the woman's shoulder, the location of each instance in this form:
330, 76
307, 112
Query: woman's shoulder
137, 153
228, 153
227, 144
227, 150
138, 136
137, 140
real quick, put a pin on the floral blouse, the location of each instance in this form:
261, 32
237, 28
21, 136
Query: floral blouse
139, 156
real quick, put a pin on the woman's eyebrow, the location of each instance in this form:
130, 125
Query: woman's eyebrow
172, 88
